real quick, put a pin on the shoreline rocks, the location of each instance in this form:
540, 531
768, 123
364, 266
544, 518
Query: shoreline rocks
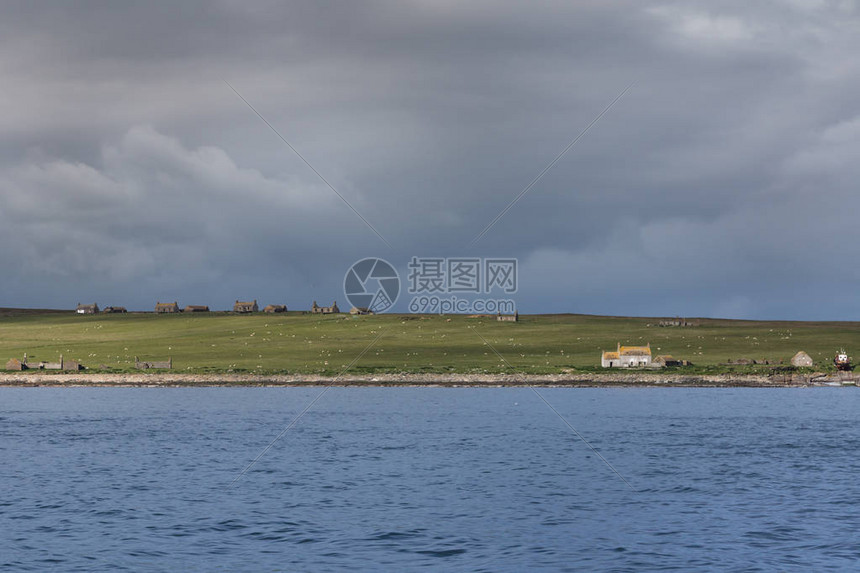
614, 379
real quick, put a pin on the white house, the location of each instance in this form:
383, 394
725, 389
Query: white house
627, 357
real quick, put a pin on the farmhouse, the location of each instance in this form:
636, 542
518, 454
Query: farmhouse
114, 309
333, 309
196, 308
515, 317
356, 310
273, 308
627, 357
166, 307
246, 307
87, 308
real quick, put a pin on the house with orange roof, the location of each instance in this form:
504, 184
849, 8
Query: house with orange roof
627, 357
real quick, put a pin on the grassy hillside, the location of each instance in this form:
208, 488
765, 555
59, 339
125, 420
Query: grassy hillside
297, 343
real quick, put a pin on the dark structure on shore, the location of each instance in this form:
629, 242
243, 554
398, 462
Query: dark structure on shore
196, 308
114, 309
273, 308
669, 360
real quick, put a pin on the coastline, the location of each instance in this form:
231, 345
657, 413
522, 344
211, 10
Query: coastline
607, 380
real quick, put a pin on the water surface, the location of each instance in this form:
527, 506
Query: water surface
408, 479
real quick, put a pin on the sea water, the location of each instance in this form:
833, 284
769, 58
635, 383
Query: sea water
429, 479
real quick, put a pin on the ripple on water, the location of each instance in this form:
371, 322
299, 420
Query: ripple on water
400, 479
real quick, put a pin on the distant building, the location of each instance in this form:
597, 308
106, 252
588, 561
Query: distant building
166, 307
87, 308
333, 309
15, 364
679, 322
154, 365
196, 308
627, 357
360, 310
515, 317
114, 309
246, 307
668, 360
272, 308
63, 364
802, 359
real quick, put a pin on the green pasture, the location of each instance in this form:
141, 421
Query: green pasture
304, 343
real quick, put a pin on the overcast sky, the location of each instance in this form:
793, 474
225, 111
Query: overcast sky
723, 183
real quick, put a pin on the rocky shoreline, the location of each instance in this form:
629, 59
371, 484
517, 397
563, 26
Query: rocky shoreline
614, 379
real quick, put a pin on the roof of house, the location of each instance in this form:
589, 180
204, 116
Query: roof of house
165, 304
634, 350
607, 355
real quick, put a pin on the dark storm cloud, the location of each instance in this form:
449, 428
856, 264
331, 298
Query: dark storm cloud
722, 183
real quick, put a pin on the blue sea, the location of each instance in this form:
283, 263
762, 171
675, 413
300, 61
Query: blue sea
429, 479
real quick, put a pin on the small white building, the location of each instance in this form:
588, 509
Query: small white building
627, 357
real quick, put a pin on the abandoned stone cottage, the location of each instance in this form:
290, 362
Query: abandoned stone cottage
246, 307
114, 310
87, 308
333, 309
166, 307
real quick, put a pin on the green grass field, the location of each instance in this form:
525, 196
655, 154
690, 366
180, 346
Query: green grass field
304, 343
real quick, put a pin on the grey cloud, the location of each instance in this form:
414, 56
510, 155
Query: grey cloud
128, 168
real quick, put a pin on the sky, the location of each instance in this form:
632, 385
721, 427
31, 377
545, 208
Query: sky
722, 183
